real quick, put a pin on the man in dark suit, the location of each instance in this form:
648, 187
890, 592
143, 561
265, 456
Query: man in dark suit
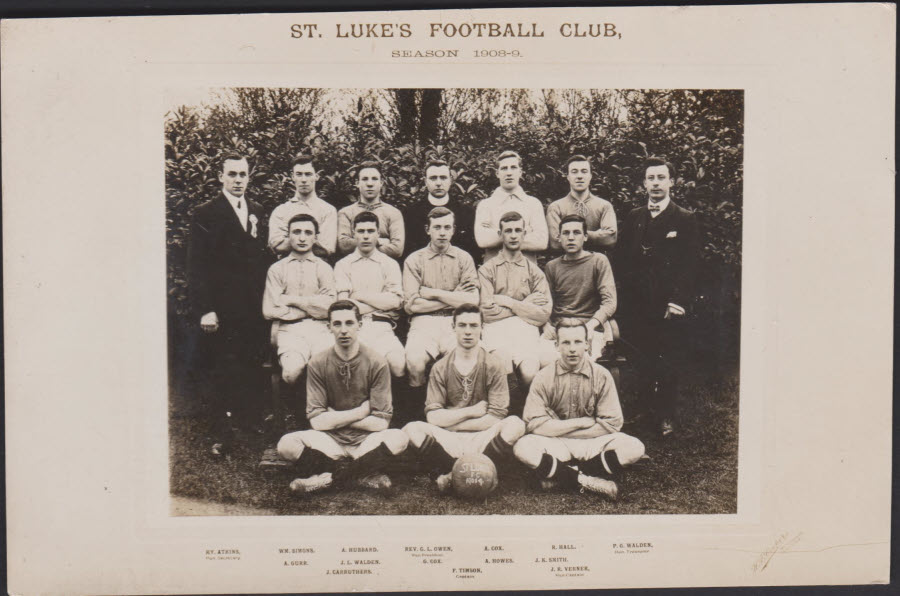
227, 263
658, 256
438, 180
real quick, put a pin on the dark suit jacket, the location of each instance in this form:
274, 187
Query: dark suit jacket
226, 265
657, 259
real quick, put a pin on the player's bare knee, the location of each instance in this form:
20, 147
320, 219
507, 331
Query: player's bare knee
528, 451
397, 363
629, 449
396, 440
512, 429
416, 363
290, 447
528, 369
292, 366
416, 431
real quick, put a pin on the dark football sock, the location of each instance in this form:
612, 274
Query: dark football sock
312, 461
370, 463
550, 467
435, 458
498, 449
595, 467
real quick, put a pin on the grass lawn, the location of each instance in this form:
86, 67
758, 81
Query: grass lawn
693, 472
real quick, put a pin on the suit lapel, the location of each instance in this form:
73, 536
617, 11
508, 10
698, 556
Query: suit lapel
229, 215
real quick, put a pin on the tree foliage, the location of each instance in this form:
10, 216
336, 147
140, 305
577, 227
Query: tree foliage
699, 131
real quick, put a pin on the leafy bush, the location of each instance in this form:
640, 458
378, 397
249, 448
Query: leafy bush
699, 131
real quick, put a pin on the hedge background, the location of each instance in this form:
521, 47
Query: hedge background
699, 131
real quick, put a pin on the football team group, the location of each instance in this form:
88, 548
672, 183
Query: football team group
540, 307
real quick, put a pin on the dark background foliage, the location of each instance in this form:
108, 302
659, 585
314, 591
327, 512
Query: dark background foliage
699, 131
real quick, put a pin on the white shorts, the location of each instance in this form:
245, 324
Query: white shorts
291, 445
432, 334
380, 336
305, 337
459, 443
628, 448
513, 340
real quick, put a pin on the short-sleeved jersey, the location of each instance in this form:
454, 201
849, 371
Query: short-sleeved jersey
448, 388
345, 384
560, 394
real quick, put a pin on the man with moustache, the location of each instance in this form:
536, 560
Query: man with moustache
573, 419
305, 200
657, 260
390, 221
438, 180
349, 408
226, 269
509, 196
598, 214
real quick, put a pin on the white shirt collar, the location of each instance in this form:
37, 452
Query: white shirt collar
313, 197
436, 202
517, 192
234, 200
662, 206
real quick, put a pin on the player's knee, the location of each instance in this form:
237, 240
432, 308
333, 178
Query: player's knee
416, 363
528, 451
416, 431
397, 363
290, 447
396, 440
629, 449
528, 369
512, 429
292, 366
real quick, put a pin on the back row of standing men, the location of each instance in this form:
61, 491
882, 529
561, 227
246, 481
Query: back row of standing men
655, 261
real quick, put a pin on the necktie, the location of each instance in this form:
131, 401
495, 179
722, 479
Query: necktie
653, 207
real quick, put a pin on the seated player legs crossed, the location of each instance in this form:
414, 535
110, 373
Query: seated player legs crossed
466, 405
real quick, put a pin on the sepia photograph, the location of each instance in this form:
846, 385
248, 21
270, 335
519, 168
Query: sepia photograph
453, 301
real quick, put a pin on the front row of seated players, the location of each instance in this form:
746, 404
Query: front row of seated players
570, 434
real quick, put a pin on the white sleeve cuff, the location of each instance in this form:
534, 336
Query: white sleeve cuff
676, 308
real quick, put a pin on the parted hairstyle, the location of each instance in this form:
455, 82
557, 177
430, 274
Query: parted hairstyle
368, 164
301, 159
510, 216
304, 217
232, 156
364, 216
574, 217
508, 154
659, 161
570, 323
467, 308
436, 163
573, 159
438, 212
344, 305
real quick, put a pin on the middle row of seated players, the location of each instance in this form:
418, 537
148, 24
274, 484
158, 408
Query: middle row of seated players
569, 434
516, 297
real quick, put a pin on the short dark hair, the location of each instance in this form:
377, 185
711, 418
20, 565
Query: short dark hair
651, 162
507, 154
304, 217
570, 323
232, 156
573, 217
510, 216
436, 163
301, 159
364, 216
368, 164
440, 212
344, 305
573, 159
467, 308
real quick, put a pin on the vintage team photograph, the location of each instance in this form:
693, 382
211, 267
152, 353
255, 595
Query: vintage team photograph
454, 301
